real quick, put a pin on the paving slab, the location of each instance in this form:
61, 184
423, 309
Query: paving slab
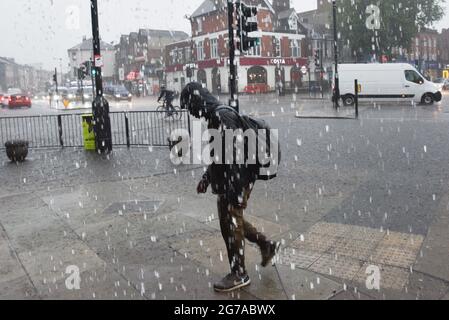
42, 230
301, 284
10, 268
46, 266
433, 258
18, 201
425, 287
338, 266
179, 278
351, 295
208, 249
18, 289
27, 216
95, 284
95, 195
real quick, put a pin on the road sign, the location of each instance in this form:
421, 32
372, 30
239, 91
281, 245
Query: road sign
98, 61
66, 103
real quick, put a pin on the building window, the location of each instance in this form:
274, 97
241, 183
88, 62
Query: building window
277, 52
295, 48
173, 55
181, 56
200, 25
214, 48
255, 51
188, 54
200, 50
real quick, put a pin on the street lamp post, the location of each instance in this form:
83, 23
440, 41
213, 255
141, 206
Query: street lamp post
100, 106
336, 97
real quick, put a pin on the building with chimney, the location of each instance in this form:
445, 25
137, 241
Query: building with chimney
278, 58
140, 58
83, 52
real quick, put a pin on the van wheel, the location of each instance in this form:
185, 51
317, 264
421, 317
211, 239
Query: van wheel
427, 99
348, 100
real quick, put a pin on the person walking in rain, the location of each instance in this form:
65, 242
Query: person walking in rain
232, 184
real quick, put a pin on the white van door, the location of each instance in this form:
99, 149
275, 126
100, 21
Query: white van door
413, 84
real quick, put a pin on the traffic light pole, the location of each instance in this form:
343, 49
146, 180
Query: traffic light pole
92, 77
55, 78
100, 106
234, 101
336, 96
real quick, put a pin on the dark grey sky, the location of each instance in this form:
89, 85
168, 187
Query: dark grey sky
41, 31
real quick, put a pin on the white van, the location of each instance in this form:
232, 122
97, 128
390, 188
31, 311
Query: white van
386, 82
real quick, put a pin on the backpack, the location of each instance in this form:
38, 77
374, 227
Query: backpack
248, 122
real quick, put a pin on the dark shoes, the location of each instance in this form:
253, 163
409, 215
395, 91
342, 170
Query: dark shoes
268, 252
232, 282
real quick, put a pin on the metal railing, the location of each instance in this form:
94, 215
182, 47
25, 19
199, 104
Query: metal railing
133, 128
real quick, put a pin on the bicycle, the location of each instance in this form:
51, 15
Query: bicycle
175, 114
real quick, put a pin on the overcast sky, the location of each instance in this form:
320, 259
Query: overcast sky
41, 31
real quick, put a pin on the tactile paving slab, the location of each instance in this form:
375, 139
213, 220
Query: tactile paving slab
355, 248
337, 266
345, 251
297, 258
314, 242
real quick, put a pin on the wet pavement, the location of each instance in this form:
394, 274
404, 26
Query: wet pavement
351, 195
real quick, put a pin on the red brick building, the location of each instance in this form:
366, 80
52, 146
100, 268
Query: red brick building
424, 52
443, 49
279, 56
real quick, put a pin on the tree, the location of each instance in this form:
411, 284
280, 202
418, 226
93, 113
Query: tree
380, 26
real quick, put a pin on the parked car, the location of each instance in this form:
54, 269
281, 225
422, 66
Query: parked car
118, 93
1, 99
18, 101
388, 81
11, 91
15, 98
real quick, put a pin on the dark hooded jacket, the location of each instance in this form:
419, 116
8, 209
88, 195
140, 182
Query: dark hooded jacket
228, 179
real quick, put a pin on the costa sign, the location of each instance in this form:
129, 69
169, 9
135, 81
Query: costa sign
252, 61
277, 61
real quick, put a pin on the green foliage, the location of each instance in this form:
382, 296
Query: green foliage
400, 21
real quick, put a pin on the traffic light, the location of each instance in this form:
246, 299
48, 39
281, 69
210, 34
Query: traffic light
87, 67
55, 78
247, 23
189, 72
82, 72
317, 58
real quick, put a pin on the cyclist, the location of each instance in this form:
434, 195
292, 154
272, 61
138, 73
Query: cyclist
168, 96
